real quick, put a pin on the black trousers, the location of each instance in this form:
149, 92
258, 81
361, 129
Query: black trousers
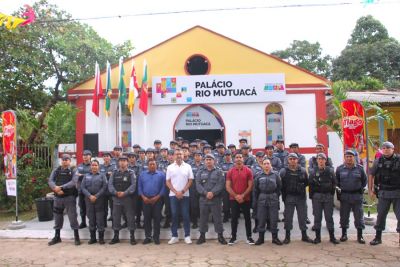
236, 208
152, 218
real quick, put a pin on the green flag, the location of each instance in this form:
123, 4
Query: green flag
121, 84
108, 90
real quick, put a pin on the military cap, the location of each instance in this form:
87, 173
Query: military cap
164, 148
131, 155
260, 154
135, 146
106, 153
207, 146
321, 155
87, 152
387, 144
209, 156
228, 152
293, 145
242, 140
349, 152
193, 144
123, 157
151, 150
220, 145
171, 152
66, 156
203, 142
269, 147
231, 145
280, 141
179, 138
320, 145
117, 148
141, 150
246, 146
197, 152
172, 142
157, 141
293, 155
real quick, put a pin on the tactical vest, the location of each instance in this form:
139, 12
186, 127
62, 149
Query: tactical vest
296, 182
267, 183
323, 182
388, 173
63, 176
122, 180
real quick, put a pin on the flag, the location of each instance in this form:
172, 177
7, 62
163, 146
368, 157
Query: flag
133, 89
107, 102
121, 84
144, 93
97, 91
9, 126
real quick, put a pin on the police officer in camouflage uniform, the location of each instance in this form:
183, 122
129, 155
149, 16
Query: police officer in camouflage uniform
294, 183
107, 168
385, 175
267, 188
322, 183
63, 183
209, 184
94, 186
280, 151
225, 166
82, 169
351, 180
275, 161
196, 165
122, 186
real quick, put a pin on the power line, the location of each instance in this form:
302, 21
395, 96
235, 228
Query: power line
175, 12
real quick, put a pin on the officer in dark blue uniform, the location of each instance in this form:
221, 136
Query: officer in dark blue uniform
351, 180
312, 163
122, 186
275, 161
94, 186
63, 183
294, 148
267, 188
107, 168
248, 159
196, 165
82, 169
280, 151
294, 183
322, 183
225, 166
385, 184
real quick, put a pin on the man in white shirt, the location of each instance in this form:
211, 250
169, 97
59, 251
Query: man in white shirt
179, 179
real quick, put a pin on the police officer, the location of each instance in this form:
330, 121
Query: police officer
257, 166
219, 156
132, 165
294, 183
162, 162
117, 152
322, 189
122, 187
107, 168
242, 142
385, 175
280, 151
232, 148
351, 180
94, 186
294, 148
275, 161
225, 166
63, 183
196, 165
167, 203
267, 188
141, 160
248, 159
209, 184
82, 169
312, 163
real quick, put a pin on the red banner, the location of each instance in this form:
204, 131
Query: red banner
9, 126
353, 125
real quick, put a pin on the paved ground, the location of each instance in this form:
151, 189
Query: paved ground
35, 252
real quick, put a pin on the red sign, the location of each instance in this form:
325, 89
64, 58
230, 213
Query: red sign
9, 126
353, 125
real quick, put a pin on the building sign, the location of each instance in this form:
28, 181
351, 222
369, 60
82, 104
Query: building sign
198, 118
205, 89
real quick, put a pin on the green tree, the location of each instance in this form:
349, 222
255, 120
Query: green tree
42, 61
308, 56
370, 52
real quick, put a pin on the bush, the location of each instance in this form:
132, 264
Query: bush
31, 184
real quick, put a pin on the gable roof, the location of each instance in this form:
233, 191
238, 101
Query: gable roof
226, 56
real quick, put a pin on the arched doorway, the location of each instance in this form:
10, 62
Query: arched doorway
200, 122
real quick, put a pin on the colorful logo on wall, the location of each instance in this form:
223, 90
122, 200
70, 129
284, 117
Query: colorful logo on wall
274, 87
167, 86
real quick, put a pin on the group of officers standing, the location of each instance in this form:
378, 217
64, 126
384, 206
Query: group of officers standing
190, 181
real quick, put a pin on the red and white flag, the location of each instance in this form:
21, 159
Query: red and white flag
97, 91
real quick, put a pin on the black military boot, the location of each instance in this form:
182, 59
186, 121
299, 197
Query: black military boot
83, 222
115, 239
276, 240
56, 239
260, 240
360, 238
332, 237
101, 238
344, 238
167, 223
133, 240
305, 238
317, 239
287, 237
76, 237
202, 239
92, 239
221, 239
378, 239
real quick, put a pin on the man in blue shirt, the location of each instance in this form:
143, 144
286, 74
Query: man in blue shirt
151, 189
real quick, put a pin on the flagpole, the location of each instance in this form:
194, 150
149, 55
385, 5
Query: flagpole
120, 124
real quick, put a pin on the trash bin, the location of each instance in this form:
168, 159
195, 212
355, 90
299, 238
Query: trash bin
44, 208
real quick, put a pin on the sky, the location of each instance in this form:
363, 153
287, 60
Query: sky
267, 25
